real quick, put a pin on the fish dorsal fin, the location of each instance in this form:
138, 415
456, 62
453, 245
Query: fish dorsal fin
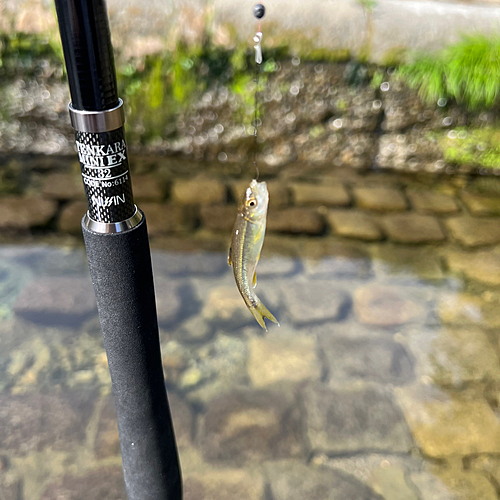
254, 279
229, 260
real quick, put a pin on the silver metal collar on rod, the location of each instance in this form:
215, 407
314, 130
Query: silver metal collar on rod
97, 121
112, 227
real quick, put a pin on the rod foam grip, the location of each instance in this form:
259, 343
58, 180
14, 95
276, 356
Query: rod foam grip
121, 271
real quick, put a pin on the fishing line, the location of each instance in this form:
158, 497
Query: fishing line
258, 11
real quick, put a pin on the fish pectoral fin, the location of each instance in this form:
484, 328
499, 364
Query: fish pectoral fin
260, 311
229, 261
254, 279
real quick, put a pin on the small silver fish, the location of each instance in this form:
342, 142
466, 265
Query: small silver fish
246, 245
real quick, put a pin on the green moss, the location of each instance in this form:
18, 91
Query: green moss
26, 54
468, 72
473, 147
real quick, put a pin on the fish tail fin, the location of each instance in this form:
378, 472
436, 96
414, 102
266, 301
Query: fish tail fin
260, 311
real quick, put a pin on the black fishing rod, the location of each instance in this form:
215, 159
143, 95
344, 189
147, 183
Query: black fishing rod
116, 240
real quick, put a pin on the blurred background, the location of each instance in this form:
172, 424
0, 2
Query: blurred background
379, 138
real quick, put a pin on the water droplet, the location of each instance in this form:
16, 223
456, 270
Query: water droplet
219, 128
294, 89
452, 134
337, 123
447, 121
442, 102
377, 104
385, 86
296, 61
222, 157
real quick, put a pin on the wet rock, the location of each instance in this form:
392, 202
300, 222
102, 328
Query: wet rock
319, 194
431, 202
454, 484
251, 425
478, 266
386, 474
189, 263
295, 221
103, 483
444, 423
218, 218
316, 301
380, 199
481, 205
354, 419
412, 228
25, 213
10, 488
352, 224
33, 422
194, 329
282, 358
473, 232
370, 359
62, 301
487, 465
216, 368
149, 188
226, 484
107, 441
465, 309
387, 306
198, 191
63, 186
336, 260
413, 150
273, 266
165, 218
390, 260
454, 356
169, 300
224, 306
485, 186
70, 218
291, 480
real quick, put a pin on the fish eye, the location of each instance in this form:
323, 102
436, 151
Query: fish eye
252, 203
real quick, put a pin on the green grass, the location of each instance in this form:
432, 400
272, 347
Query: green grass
473, 147
467, 72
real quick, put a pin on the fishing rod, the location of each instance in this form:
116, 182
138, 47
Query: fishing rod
119, 257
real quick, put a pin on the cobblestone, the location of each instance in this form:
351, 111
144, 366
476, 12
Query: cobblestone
412, 228
198, 191
165, 218
282, 358
25, 213
474, 232
386, 306
445, 424
314, 194
70, 218
316, 302
483, 266
430, 202
63, 187
351, 224
250, 425
295, 221
148, 187
380, 199
481, 205
354, 419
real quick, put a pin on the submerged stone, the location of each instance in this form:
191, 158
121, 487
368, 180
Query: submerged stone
57, 301
281, 357
352, 224
354, 419
370, 359
293, 480
251, 425
380, 199
445, 424
412, 228
474, 232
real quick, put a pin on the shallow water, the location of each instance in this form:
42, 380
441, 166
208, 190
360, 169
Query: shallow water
382, 381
